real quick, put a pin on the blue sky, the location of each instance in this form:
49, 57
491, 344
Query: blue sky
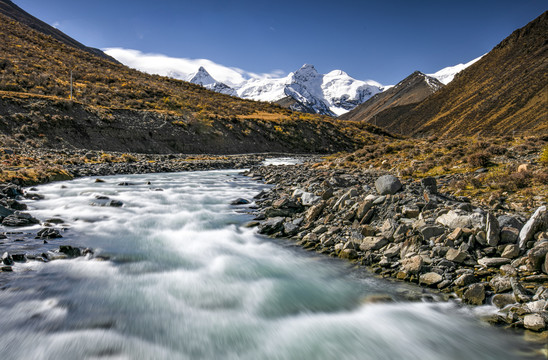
380, 40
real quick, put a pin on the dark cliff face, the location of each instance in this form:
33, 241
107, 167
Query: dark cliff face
9, 9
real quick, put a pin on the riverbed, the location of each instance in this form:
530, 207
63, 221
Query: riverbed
177, 275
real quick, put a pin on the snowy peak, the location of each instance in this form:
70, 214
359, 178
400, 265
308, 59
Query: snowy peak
306, 73
202, 77
446, 75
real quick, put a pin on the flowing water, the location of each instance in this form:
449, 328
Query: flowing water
185, 279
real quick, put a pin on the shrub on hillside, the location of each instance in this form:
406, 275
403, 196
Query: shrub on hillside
479, 159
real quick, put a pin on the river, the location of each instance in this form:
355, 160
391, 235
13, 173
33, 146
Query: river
179, 277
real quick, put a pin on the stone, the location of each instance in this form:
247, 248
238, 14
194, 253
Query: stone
19, 257
456, 255
290, 229
537, 256
534, 322
510, 251
363, 208
48, 233
6, 268
508, 270
521, 294
70, 251
454, 219
500, 284
271, 226
456, 234
312, 213
309, 199
492, 230
429, 232
115, 203
493, 262
465, 279
537, 222
503, 300
509, 235
537, 306
388, 185
4, 211
19, 219
349, 254
7, 259
430, 278
412, 265
240, 201
429, 184
373, 243
509, 221
410, 211
475, 294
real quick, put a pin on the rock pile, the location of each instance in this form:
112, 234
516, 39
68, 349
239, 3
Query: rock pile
410, 231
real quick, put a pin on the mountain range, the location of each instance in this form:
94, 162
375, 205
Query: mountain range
504, 91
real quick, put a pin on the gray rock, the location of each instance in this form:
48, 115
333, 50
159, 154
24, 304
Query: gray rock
500, 284
363, 208
4, 211
493, 262
492, 230
534, 322
456, 255
429, 184
290, 229
509, 221
429, 232
271, 226
348, 254
308, 199
238, 201
453, 220
312, 213
70, 251
537, 222
509, 235
412, 265
521, 294
510, 251
536, 256
388, 185
410, 211
502, 300
48, 233
373, 243
475, 294
465, 279
19, 219
7, 259
430, 278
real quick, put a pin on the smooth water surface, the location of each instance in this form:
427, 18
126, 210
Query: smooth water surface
186, 280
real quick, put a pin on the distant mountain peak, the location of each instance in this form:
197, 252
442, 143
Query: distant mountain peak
202, 77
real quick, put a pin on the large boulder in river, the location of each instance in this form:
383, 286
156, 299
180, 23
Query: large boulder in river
271, 226
388, 185
19, 219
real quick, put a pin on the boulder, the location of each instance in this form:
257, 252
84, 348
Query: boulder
456, 255
48, 233
475, 294
238, 201
509, 235
373, 243
19, 219
537, 222
454, 219
290, 229
465, 279
492, 230
510, 251
534, 322
388, 185
429, 184
500, 284
312, 213
537, 256
493, 262
411, 211
429, 232
412, 265
70, 251
271, 226
430, 278
7, 259
502, 300
308, 199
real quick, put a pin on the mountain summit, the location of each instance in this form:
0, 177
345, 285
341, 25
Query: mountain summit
203, 78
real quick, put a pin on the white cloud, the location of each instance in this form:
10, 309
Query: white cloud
184, 68
56, 24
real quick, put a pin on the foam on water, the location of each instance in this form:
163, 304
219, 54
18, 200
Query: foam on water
187, 281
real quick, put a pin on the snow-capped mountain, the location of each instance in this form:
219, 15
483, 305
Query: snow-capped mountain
446, 75
331, 94
202, 77
334, 93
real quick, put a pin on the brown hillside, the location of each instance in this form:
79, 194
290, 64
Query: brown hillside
411, 90
118, 108
503, 92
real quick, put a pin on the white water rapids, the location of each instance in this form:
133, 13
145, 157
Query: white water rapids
186, 280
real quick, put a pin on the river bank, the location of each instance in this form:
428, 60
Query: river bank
410, 231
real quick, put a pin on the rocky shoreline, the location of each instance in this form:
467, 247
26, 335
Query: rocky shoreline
405, 230
409, 231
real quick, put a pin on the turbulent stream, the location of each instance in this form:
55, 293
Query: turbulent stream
184, 279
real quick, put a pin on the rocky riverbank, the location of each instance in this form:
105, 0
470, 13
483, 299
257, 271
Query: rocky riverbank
410, 231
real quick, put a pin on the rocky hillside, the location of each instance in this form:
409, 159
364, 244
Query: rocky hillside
410, 91
503, 92
120, 109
